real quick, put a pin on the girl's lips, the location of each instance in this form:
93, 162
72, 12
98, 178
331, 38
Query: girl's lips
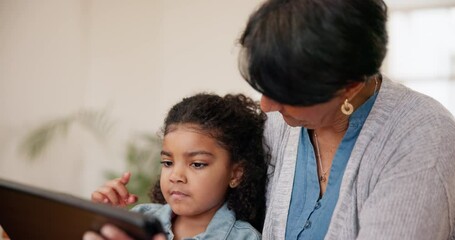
177, 195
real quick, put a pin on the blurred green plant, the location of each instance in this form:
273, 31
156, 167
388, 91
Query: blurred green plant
142, 152
38, 140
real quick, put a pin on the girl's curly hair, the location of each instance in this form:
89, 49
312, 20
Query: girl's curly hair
237, 123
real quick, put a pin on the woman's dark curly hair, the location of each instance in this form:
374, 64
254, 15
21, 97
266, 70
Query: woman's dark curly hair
237, 123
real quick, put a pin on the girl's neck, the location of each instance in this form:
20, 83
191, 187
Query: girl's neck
190, 226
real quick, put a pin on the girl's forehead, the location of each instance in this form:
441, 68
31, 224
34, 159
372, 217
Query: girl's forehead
194, 128
191, 127
184, 125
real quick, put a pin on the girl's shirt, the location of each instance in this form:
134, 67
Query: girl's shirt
309, 215
222, 226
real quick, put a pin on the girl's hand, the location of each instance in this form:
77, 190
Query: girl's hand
114, 192
110, 232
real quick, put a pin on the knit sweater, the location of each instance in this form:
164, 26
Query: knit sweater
399, 182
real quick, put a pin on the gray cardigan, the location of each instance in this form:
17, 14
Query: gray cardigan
399, 182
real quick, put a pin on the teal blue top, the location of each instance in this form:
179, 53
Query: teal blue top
222, 226
309, 215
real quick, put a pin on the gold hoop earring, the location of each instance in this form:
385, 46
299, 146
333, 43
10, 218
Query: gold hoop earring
232, 184
347, 108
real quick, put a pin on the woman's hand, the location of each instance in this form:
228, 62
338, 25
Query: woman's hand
110, 232
114, 192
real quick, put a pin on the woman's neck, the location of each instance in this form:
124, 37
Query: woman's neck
327, 139
372, 85
340, 126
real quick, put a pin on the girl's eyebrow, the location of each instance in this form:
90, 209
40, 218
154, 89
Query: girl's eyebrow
188, 154
195, 153
167, 154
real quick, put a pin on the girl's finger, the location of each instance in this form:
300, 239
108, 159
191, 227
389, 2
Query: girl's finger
99, 197
91, 236
110, 194
125, 177
113, 233
119, 187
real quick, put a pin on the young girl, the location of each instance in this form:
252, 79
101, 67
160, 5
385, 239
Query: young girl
213, 174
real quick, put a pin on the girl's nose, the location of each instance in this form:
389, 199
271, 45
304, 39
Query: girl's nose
269, 105
177, 175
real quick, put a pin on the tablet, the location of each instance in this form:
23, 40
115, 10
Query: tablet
32, 213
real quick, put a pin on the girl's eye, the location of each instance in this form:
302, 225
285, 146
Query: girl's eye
166, 163
198, 165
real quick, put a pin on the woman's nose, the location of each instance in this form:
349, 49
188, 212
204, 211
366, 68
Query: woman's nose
269, 105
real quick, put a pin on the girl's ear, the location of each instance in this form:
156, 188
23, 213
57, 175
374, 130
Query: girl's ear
236, 175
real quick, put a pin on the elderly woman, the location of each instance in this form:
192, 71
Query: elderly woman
356, 156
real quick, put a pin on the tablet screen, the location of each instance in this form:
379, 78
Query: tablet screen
31, 213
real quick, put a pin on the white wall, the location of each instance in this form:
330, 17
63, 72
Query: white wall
136, 58
406, 5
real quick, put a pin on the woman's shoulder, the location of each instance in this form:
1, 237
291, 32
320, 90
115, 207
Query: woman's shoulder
413, 130
401, 102
405, 114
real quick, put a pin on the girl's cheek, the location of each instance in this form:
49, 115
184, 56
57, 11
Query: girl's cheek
163, 178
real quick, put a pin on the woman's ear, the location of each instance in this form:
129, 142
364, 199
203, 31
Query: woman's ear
236, 175
353, 89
